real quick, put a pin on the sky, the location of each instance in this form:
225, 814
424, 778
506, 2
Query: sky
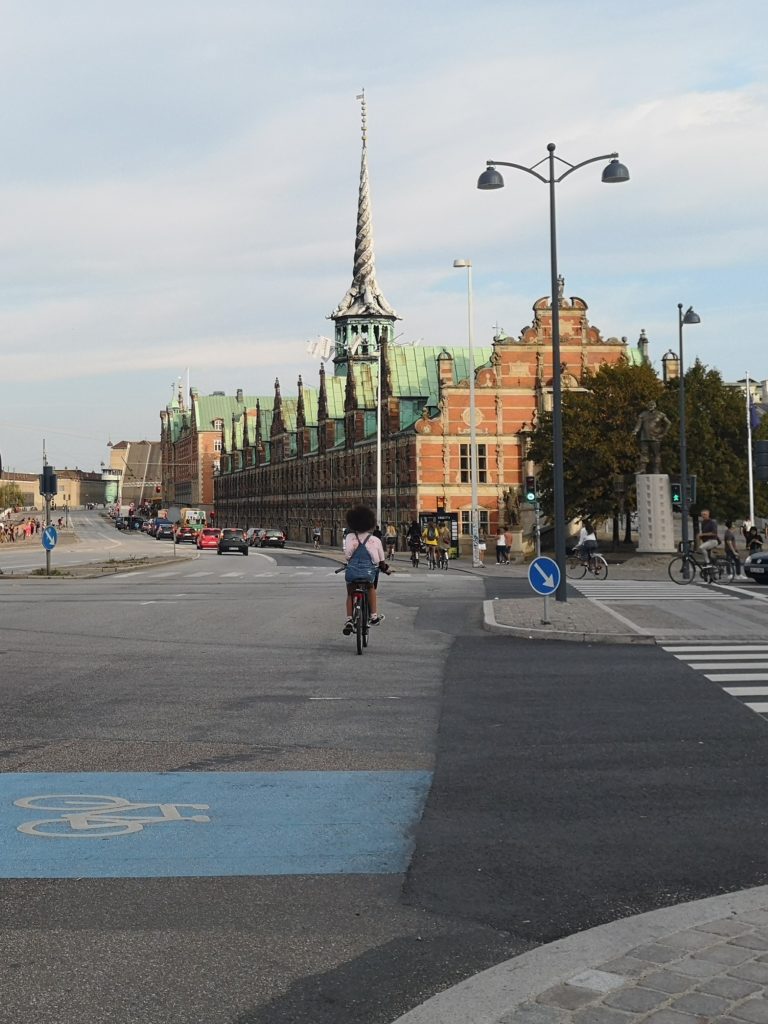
178, 189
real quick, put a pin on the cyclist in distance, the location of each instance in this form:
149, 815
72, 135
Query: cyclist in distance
708, 538
361, 521
413, 539
431, 538
587, 542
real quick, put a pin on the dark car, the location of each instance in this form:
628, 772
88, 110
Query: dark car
121, 523
756, 566
273, 539
232, 540
164, 530
185, 533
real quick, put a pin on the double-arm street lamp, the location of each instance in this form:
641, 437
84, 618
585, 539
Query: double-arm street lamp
689, 317
491, 179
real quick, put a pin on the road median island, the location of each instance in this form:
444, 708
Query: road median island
579, 620
94, 570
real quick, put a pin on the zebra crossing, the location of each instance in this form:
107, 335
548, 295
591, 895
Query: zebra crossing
739, 668
648, 591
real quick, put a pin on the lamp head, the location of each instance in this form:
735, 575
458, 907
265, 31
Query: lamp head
615, 171
462, 263
691, 317
490, 178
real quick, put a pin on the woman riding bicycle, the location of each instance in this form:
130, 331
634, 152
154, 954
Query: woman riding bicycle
588, 542
361, 521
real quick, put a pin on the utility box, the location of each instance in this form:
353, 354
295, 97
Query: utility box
655, 522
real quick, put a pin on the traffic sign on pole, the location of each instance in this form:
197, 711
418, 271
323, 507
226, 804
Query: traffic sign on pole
544, 575
50, 536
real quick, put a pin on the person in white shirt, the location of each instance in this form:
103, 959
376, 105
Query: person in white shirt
587, 539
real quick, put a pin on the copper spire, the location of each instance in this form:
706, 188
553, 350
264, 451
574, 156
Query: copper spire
364, 297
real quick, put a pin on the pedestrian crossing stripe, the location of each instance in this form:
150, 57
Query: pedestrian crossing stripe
639, 591
730, 663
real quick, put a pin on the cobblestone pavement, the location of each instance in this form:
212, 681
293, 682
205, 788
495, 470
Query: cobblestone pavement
697, 963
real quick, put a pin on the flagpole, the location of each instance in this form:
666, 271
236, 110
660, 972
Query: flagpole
749, 455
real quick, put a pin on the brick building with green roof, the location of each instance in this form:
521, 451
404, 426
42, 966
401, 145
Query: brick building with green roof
297, 462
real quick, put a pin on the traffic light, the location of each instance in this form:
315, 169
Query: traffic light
530, 488
676, 492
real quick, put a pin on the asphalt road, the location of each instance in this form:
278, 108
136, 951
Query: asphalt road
570, 785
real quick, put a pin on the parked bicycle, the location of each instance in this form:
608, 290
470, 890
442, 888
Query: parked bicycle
577, 565
360, 612
683, 568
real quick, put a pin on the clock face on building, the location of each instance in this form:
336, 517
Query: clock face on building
478, 416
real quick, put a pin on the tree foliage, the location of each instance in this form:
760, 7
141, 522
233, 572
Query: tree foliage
600, 451
599, 448
10, 495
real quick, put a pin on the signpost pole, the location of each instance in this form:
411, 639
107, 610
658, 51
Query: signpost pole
47, 523
537, 528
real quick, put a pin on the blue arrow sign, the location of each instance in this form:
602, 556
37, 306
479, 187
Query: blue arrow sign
544, 575
49, 538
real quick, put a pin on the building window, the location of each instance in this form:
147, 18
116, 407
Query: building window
217, 444
482, 514
482, 464
218, 424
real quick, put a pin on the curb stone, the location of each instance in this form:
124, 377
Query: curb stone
493, 996
548, 633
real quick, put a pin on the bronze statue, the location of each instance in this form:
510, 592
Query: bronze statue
652, 425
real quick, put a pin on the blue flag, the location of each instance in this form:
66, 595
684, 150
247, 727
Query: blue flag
756, 413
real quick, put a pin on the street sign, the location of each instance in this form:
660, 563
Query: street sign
544, 575
50, 536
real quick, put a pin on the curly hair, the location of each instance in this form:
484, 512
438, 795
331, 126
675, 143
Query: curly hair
361, 518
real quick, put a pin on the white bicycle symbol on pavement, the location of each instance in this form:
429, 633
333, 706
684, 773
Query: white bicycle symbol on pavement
99, 817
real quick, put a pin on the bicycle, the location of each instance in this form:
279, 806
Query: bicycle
682, 569
432, 555
442, 558
577, 566
360, 612
414, 557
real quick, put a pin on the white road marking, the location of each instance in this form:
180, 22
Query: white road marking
746, 691
192, 575
706, 649
739, 677
710, 666
226, 575
760, 708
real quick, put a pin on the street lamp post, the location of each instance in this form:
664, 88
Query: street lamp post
474, 525
690, 317
492, 179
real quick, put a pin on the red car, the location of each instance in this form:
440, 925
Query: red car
208, 538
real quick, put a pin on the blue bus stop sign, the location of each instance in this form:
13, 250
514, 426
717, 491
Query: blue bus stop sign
544, 575
50, 536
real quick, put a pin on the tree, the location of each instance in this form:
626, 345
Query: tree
599, 449
10, 495
716, 435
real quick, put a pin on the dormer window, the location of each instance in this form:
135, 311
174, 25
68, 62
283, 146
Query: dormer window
218, 424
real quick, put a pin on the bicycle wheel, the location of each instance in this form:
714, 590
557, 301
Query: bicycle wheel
575, 569
682, 570
599, 567
360, 623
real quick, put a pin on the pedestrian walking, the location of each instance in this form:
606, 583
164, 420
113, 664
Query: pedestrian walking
501, 548
731, 554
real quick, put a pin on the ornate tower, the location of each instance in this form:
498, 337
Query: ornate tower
364, 319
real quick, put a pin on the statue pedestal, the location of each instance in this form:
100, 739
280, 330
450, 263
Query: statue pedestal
655, 522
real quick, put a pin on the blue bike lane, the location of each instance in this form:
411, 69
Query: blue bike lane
185, 824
